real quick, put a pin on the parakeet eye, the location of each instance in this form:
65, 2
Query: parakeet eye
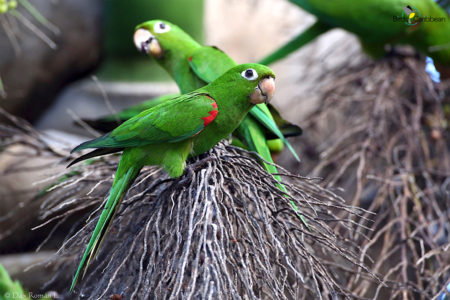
161, 27
249, 74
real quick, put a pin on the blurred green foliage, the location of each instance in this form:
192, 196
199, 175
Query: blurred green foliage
6, 5
122, 61
12, 290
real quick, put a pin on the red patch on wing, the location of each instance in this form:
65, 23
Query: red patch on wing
190, 58
212, 114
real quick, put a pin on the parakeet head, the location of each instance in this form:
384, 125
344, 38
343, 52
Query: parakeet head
157, 37
255, 80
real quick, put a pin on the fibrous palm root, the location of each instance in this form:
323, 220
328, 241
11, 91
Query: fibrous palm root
388, 145
221, 231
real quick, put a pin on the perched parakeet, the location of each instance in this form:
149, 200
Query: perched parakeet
193, 65
419, 23
167, 134
205, 65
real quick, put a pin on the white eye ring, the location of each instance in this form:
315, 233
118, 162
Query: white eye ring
161, 27
249, 74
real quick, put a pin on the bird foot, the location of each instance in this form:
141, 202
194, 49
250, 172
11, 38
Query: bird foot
192, 168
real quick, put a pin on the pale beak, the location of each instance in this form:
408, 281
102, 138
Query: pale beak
147, 43
264, 91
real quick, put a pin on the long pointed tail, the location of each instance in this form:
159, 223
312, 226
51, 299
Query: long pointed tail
125, 176
261, 113
254, 137
302, 39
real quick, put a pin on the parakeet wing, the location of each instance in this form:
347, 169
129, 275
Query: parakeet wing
130, 112
169, 122
209, 62
110, 122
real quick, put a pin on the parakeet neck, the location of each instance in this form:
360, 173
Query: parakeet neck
176, 63
230, 98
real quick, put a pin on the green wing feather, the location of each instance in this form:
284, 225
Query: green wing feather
95, 153
209, 62
169, 122
109, 122
134, 110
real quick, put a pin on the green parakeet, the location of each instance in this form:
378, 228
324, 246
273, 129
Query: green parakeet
206, 64
167, 134
377, 23
193, 65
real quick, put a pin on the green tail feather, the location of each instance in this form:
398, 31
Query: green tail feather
256, 141
254, 137
302, 39
294, 206
258, 114
125, 176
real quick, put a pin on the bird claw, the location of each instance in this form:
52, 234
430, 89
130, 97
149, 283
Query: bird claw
192, 168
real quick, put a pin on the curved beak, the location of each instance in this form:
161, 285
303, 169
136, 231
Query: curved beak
147, 43
264, 91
